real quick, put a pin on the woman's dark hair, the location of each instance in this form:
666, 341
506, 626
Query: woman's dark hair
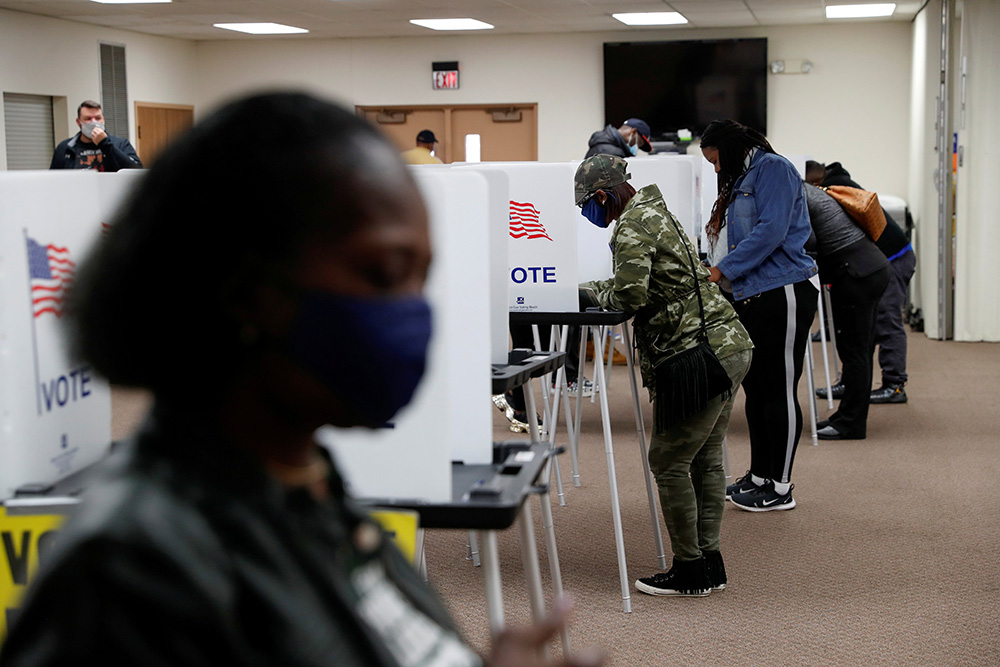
733, 140
227, 205
623, 193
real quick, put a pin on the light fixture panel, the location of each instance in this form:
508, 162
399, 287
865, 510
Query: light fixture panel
650, 18
452, 24
860, 11
261, 28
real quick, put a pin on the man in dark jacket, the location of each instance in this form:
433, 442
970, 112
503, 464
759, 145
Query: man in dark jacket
626, 141
92, 147
890, 336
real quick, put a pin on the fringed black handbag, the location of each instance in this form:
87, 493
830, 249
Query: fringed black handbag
688, 380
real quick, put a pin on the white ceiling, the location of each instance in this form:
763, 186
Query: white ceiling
193, 19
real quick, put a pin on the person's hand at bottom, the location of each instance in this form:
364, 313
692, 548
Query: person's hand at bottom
520, 647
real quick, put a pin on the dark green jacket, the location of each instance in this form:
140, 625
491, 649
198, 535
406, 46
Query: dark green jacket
187, 552
653, 281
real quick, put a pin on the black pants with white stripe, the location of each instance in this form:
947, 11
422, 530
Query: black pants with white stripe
778, 322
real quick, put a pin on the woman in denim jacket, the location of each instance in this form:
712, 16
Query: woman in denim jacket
761, 221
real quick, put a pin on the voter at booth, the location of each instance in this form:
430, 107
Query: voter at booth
657, 280
890, 334
423, 152
857, 273
761, 224
221, 534
624, 141
92, 147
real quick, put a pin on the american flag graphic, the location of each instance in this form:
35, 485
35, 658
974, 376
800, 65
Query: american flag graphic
524, 222
51, 272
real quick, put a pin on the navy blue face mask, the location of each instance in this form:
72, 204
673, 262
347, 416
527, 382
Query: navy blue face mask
370, 352
596, 213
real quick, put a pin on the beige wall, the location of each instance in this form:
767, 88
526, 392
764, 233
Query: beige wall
42, 56
853, 107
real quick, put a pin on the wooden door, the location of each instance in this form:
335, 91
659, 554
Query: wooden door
508, 132
156, 125
401, 125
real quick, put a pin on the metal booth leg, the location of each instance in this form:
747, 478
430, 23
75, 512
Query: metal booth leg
640, 427
833, 330
822, 338
491, 575
612, 478
529, 553
812, 392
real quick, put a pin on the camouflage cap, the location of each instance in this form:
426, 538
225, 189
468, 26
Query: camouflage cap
597, 173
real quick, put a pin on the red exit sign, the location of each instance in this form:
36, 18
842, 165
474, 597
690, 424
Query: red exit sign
446, 80
444, 75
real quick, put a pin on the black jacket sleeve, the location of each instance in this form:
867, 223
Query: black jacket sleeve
119, 154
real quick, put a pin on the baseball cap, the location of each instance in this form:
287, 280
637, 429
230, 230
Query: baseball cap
426, 137
643, 128
597, 173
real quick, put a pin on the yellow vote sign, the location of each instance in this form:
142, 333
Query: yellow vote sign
401, 525
24, 541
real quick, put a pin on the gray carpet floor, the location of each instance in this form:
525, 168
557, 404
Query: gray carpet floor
889, 558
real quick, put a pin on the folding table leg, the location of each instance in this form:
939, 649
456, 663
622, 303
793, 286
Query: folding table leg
491, 575
473, 548
530, 556
612, 478
640, 427
812, 392
833, 329
822, 338
578, 415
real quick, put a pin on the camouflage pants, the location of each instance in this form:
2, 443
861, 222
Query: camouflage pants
686, 461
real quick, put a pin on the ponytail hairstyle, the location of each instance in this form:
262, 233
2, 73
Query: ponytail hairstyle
733, 141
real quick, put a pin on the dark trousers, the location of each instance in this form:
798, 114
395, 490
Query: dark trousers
778, 323
855, 306
890, 336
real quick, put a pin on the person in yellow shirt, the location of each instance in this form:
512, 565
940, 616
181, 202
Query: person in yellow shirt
422, 153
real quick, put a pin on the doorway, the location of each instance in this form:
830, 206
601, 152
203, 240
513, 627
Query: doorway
156, 125
506, 132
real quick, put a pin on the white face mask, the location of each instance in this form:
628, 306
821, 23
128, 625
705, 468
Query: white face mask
88, 128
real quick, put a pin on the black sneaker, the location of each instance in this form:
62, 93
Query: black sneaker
716, 570
837, 390
888, 393
764, 499
685, 579
741, 485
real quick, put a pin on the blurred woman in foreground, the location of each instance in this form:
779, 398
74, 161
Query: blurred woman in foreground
222, 535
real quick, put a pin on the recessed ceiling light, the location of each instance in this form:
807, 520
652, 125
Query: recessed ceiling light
451, 24
860, 11
131, 2
651, 18
261, 28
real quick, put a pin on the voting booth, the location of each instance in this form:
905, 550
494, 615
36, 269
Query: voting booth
450, 416
56, 414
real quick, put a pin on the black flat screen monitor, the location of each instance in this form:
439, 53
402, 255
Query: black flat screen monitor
686, 84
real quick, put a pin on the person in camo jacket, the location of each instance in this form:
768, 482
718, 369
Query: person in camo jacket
653, 281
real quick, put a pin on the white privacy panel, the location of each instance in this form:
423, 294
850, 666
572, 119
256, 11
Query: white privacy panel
450, 416
55, 414
542, 232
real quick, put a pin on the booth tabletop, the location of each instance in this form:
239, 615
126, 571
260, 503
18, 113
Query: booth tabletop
524, 365
484, 496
